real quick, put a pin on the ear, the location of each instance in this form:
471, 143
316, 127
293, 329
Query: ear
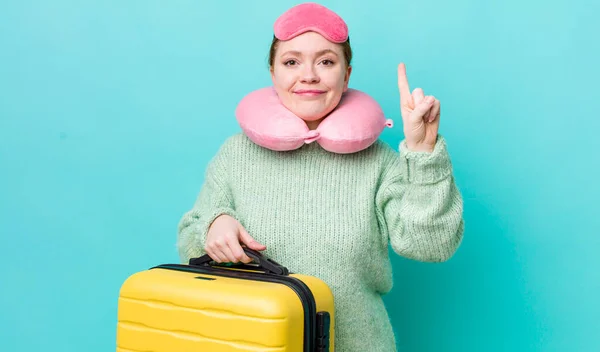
347, 78
272, 71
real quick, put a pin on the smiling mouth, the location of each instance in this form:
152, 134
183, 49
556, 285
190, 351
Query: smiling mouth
309, 93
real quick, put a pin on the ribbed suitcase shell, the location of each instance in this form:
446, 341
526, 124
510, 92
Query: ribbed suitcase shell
182, 308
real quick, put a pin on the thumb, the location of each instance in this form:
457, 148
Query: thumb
249, 241
422, 108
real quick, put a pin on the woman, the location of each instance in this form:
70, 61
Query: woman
331, 215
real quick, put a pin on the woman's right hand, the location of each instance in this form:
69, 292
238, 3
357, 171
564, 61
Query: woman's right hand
225, 238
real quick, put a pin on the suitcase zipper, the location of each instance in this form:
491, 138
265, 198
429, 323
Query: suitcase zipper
303, 292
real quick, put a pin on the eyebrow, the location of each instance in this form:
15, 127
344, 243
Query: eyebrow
297, 53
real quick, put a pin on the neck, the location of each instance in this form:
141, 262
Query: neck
312, 125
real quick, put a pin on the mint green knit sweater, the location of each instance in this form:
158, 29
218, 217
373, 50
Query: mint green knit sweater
333, 216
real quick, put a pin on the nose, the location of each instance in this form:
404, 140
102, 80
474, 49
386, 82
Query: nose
309, 75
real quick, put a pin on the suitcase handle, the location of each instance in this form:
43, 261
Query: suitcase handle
265, 263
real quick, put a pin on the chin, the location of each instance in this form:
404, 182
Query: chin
313, 114
310, 117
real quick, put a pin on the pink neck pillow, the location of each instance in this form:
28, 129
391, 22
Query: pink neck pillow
352, 126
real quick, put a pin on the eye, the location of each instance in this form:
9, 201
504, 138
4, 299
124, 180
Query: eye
327, 62
289, 62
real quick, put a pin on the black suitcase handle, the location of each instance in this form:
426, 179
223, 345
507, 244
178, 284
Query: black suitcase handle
265, 263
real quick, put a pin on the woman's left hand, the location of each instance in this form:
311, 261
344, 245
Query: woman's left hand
420, 115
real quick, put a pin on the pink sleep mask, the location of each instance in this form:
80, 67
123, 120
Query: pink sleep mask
311, 17
353, 125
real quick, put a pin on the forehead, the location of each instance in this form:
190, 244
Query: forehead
308, 43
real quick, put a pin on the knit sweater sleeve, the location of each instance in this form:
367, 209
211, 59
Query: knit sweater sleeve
420, 208
214, 199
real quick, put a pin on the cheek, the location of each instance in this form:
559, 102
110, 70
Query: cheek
282, 87
282, 79
333, 79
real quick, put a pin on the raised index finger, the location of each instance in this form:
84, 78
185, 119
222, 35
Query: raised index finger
403, 86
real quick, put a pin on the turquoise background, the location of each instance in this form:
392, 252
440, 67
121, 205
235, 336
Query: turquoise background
110, 111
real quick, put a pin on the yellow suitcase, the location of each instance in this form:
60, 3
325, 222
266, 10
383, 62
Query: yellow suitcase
204, 306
